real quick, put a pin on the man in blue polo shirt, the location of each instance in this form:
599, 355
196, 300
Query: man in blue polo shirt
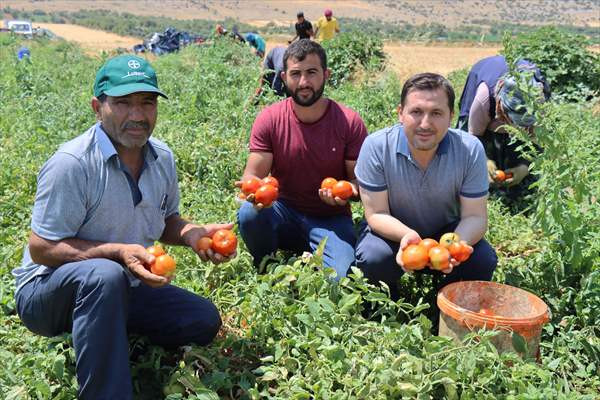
101, 200
419, 179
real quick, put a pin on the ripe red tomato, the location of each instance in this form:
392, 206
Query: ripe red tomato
266, 195
428, 243
224, 242
250, 186
328, 183
156, 250
439, 257
499, 176
204, 243
460, 251
414, 257
342, 189
270, 180
164, 265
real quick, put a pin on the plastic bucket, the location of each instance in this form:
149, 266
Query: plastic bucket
469, 306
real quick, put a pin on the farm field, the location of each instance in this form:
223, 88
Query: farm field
289, 333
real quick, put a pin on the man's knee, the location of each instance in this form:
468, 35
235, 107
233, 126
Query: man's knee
205, 323
106, 274
377, 259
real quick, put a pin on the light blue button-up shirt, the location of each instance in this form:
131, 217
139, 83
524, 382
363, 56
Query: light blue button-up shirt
424, 200
85, 192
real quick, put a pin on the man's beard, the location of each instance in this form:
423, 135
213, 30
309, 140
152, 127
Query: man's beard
308, 102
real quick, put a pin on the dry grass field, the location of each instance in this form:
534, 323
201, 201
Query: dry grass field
260, 12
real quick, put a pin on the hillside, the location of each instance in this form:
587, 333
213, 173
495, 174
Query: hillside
451, 13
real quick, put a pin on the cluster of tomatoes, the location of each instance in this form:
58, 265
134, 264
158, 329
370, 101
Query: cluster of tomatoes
438, 255
222, 241
262, 192
501, 176
163, 265
341, 189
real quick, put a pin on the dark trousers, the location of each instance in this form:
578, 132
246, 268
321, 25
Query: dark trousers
376, 257
93, 299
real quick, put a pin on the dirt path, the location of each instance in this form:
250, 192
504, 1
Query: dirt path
404, 58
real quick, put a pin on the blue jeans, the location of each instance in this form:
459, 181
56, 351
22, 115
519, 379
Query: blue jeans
376, 257
282, 227
94, 300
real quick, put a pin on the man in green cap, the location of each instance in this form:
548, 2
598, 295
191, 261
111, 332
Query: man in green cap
101, 200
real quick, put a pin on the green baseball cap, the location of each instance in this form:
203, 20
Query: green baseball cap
126, 74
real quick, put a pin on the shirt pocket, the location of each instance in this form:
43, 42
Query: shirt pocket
151, 220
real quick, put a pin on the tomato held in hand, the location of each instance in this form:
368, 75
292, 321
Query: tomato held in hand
250, 186
156, 250
414, 257
204, 243
342, 189
164, 265
439, 257
448, 238
266, 195
224, 242
460, 251
428, 243
270, 180
328, 183
499, 176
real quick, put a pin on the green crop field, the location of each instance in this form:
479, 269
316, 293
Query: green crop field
289, 333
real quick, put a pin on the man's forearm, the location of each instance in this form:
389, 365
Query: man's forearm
175, 230
387, 226
56, 253
472, 229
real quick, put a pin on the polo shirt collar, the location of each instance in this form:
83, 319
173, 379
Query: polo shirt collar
108, 149
403, 148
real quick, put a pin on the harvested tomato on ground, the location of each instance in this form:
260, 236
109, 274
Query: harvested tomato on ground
414, 257
342, 189
224, 242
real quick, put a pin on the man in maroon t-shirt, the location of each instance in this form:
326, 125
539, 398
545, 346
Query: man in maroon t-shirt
301, 141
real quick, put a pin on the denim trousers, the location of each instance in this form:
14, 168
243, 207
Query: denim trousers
282, 227
93, 299
376, 257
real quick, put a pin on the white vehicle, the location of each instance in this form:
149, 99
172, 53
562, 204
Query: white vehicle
20, 27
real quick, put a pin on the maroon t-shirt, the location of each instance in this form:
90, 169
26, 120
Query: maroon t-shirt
305, 154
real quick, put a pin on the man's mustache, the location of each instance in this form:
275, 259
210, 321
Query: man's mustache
136, 125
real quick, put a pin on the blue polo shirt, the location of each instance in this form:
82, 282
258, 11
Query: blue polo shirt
424, 200
85, 192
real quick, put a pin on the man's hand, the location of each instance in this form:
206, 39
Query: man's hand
518, 174
327, 197
412, 237
193, 235
136, 258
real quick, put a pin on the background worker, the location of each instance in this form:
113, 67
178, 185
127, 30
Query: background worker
419, 179
257, 42
491, 99
300, 141
326, 27
304, 29
272, 68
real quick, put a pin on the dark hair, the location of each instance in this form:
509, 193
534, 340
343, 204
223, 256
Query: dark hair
102, 98
428, 81
303, 47
300, 14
